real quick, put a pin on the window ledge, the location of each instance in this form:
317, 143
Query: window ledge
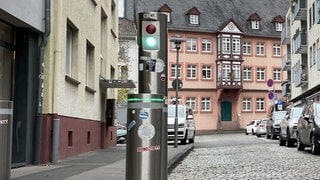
90, 90
72, 81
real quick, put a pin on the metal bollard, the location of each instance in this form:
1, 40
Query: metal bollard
6, 111
143, 161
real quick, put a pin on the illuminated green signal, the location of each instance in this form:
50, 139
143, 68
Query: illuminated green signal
150, 35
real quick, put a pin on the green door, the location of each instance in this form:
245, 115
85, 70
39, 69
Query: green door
226, 111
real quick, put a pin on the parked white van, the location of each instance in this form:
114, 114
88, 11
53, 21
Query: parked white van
186, 123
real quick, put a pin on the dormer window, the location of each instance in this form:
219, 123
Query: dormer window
165, 9
254, 20
255, 24
193, 16
194, 19
278, 23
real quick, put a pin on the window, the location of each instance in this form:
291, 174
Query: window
206, 72
173, 71
226, 71
236, 46
255, 24
194, 19
276, 50
246, 48
278, 26
260, 49
206, 45
260, 104
277, 74
246, 104
89, 65
236, 75
247, 73
260, 74
192, 71
191, 102
191, 44
71, 41
226, 45
205, 104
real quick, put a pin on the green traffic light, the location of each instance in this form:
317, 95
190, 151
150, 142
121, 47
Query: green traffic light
150, 43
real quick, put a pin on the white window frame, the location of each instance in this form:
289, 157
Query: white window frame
173, 71
247, 73
246, 104
191, 102
226, 45
260, 105
191, 71
206, 45
194, 19
236, 46
246, 48
278, 26
277, 74
192, 44
206, 72
260, 49
255, 24
205, 104
276, 50
261, 74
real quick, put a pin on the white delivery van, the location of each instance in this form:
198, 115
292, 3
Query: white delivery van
186, 123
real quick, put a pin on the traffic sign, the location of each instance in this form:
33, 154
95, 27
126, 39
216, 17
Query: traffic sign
270, 95
174, 82
270, 82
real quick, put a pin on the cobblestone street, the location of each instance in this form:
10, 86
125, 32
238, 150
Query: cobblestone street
262, 159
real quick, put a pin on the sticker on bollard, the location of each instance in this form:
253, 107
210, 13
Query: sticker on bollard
146, 131
4, 121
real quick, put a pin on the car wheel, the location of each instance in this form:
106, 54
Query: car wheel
289, 142
252, 132
314, 147
258, 135
192, 139
300, 146
184, 140
245, 131
281, 141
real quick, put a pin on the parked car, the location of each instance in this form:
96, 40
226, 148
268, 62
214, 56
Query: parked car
262, 127
186, 124
308, 132
273, 127
252, 127
121, 133
288, 127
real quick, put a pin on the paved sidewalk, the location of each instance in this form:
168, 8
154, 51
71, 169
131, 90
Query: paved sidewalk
101, 164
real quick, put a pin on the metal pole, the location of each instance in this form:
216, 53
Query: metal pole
177, 102
177, 41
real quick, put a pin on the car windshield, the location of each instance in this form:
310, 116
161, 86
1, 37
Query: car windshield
172, 111
296, 113
278, 116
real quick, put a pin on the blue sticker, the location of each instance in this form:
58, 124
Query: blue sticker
143, 115
132, 123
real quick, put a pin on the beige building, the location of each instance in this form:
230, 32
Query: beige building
80, 58
302, 37
231, 50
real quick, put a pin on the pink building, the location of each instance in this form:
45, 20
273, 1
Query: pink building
231, 49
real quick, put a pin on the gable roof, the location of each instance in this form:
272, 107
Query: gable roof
165, 8
254, 17
193, 11
214, 13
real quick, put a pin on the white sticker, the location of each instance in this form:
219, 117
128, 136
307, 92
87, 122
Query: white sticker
146, 131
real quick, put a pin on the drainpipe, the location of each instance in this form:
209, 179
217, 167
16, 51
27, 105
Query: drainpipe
45, 35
